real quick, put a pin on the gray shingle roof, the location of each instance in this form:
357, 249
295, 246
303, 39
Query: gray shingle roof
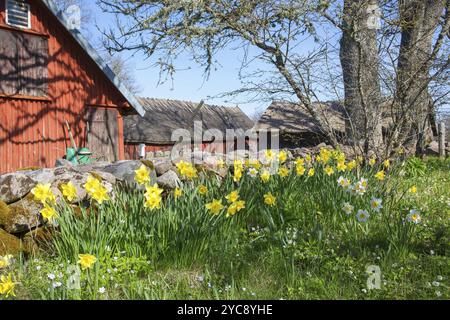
164, 116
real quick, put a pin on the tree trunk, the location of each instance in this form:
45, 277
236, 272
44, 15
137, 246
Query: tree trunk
419, 20
360, 62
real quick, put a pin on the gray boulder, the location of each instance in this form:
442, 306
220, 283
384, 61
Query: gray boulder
43, 176
161, 167
432, 149
169, 180
15, 186
22, 216
124, 171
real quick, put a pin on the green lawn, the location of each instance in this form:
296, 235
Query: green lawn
303, 247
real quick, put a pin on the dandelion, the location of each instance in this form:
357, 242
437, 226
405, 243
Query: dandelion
142, 175
215, 207
235, 208
49, 213
413, 190
300, 171
269, 199
43, 193
5, 261
203, 190
376, 204
283, 172
344, 182
311, 172
380, 175
348, 208
363, 215
233, 197
328, 170
414, 217
69, 191
282, 156
7, 285
265, 176
86, 261
253, 172
177, 193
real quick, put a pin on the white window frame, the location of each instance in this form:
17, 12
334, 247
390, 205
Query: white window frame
27, 5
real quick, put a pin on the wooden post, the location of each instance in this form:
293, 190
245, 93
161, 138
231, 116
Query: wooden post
442, 140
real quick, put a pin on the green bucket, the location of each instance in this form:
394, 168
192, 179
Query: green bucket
80, 156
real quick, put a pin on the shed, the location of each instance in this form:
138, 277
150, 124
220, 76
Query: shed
49, 74
163, 117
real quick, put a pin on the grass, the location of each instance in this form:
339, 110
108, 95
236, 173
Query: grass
304, 247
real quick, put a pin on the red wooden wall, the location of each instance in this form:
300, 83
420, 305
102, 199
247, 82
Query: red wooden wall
32, 129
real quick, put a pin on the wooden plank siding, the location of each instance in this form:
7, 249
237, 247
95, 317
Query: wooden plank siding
32, 129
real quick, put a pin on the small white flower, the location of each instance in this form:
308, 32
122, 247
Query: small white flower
414, 217
102, 290
362, 215
364, 290
440, 278
376, 204
438, 294
56, 285
51, 276
436, 283
252, 172
348, 208
343, 182
38, 268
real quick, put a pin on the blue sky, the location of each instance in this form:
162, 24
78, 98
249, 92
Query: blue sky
189, 82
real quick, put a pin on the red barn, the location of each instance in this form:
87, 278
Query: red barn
49, 74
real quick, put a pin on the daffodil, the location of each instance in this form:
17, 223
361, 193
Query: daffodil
344, 182
7, 286
221, 163
283, 172
300, 162
215, 206
235, 208
92, 184
311, 172
155, 189
233, 197
44, 194
100, 194
254, 163
380, 175
178, 192
265, 176
270, 155
351, 165
187, 170
269, 199
387, 164
282, 156
142, 175
49, 213
300, 170
253, 172
203, 190
5, 261
237, 176
325, 155
153, 201
69, 191
341, 166
372, 162
328, 171
308, 158
86, 261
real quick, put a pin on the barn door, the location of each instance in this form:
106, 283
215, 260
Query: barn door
102, 134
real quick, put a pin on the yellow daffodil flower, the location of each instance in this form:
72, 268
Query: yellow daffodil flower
215, 207
69, 191
283, 172
92, 184
177, 193
311, 172
235, 208
44, 194
86, 261
142, 175
49, 213
380, 175
328, 171
300, 170
265, 176
202, 190
233, 197
7, 286
269, 199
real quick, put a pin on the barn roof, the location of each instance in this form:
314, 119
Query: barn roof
76, 34
291, 117
164, 116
